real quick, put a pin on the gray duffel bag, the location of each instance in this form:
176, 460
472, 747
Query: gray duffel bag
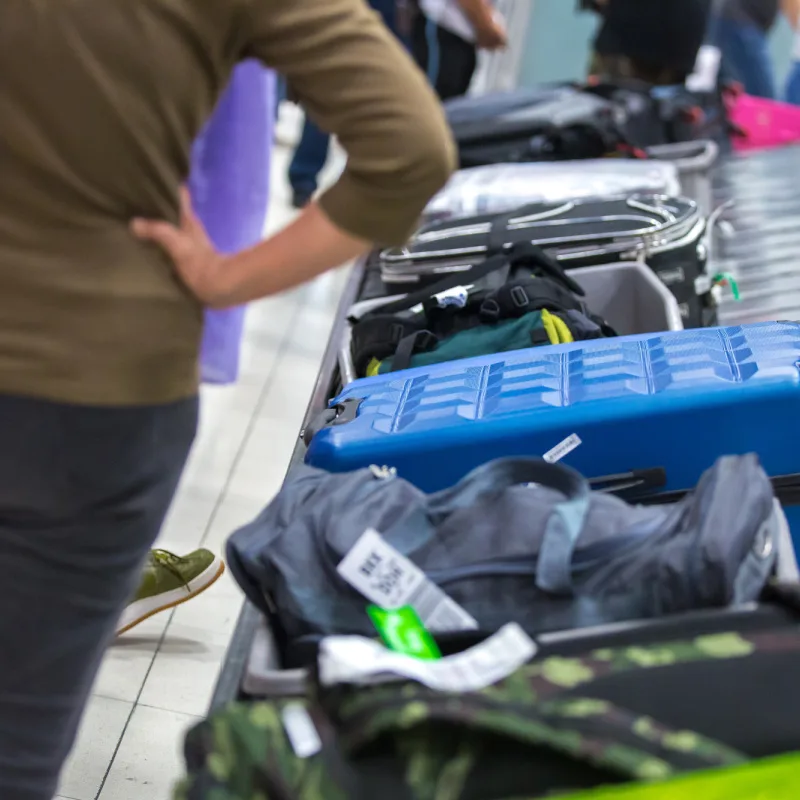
516, 540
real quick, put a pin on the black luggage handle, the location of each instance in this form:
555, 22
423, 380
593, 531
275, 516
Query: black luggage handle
634, 487
340, 414
640, 480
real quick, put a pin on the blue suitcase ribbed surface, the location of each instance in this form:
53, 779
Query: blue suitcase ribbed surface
673, 400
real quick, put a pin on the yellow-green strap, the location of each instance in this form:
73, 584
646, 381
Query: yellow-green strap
556, 329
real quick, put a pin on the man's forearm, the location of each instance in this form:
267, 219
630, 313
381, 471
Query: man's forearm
306, 248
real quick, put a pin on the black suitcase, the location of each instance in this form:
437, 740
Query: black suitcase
559, 122
548, 124
667, 233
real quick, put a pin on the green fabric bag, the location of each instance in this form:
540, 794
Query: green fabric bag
535, 328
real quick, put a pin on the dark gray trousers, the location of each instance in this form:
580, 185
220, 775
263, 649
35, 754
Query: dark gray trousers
83, 493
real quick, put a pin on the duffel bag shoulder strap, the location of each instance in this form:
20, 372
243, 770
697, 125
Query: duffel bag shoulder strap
554, 563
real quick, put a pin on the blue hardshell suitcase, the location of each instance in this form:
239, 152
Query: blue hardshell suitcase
654, 410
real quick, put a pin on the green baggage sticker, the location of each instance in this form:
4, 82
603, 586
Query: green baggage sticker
402, 631
726, 279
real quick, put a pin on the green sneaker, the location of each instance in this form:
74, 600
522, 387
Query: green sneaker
168, 581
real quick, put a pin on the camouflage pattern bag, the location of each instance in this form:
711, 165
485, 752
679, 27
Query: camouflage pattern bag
538, 731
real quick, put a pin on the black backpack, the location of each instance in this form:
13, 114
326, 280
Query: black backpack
505, 287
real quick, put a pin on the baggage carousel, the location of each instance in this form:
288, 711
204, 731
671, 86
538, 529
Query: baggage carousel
758, 244
762, 246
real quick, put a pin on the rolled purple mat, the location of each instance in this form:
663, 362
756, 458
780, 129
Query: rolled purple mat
229, 183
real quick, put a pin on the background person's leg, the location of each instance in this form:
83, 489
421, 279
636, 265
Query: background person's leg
420, 49
83, 493
457, 62
307, 163
793, 85
745, 51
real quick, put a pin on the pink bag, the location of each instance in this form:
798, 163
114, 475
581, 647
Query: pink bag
763, 123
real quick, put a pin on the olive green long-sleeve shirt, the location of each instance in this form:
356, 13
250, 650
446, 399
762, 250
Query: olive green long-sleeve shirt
100, 102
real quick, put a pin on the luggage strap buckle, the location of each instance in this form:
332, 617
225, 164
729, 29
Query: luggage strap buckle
519, 297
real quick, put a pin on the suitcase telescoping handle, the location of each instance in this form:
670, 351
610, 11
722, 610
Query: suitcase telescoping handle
637, 485
635, 481
338, 414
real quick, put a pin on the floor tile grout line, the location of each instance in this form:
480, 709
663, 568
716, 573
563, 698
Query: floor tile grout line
117, 746
198, 717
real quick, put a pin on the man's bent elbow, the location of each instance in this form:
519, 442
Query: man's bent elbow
384, 205
429, 158
437, 159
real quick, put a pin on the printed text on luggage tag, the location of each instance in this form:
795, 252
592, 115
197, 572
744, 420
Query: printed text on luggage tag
387, 578
562, 449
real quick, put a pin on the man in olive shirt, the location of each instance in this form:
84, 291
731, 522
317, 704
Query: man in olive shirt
99, 328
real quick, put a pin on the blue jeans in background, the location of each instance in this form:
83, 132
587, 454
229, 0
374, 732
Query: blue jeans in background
745, 52
793, 85
312, 150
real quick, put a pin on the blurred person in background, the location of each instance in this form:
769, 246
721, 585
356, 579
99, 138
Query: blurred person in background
740, 29
655, 41
792, 11
104, 273
312, 150
446, 37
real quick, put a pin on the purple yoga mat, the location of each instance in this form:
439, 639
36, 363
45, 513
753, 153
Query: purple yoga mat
230, 190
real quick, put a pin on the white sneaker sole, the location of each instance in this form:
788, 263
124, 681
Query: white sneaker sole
143, 609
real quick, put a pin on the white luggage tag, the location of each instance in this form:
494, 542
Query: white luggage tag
706, 70
359, 661
387, 578
301, 731
561, 450
457, 296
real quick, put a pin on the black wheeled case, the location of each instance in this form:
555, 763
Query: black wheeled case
667, 233
551, 123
